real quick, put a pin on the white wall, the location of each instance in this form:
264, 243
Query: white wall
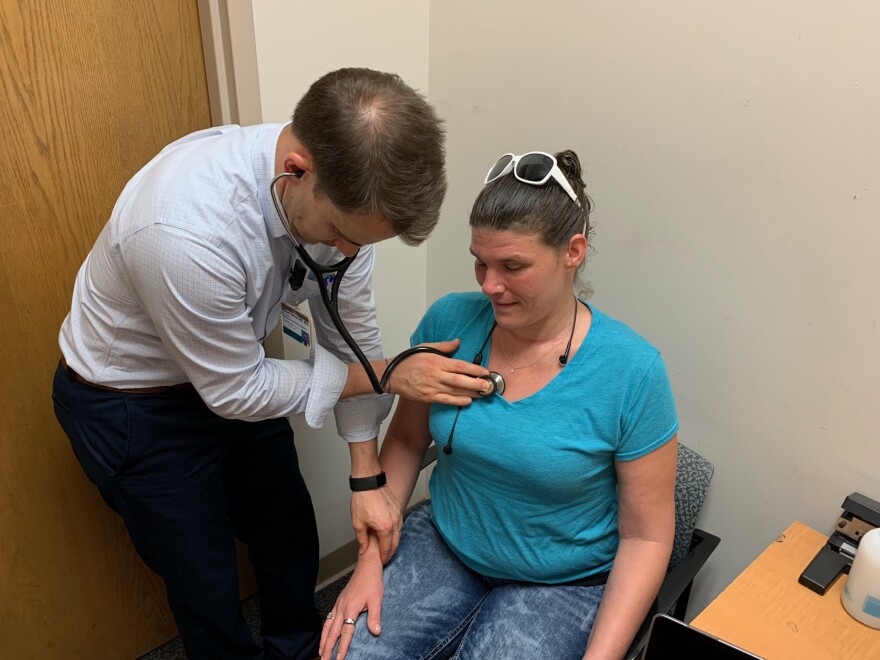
296, 43
733, 151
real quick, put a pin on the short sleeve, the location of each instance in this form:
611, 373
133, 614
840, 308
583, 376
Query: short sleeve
650, 419
427, 330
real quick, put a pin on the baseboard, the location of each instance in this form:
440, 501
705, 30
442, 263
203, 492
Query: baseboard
337, 563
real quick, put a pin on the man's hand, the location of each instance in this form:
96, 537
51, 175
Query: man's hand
377, 510
432, 378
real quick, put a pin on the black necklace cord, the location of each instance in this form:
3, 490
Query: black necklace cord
563, 359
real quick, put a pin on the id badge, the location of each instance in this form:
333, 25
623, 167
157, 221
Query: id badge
298, 335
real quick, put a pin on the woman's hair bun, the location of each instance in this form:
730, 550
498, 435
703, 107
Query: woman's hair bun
570, 165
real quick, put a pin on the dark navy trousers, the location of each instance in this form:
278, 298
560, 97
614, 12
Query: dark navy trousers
187, 482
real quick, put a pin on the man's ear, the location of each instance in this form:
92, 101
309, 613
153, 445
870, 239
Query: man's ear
297, 162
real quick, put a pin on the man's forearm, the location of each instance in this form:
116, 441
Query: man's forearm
358, 382
364, 458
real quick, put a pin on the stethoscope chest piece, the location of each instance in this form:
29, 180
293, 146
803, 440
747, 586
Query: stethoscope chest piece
496, 380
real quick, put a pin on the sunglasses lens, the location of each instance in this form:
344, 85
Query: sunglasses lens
498, 167
534, 167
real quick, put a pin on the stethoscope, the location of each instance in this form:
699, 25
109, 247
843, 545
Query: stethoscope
334, 273
494, 377
498, 380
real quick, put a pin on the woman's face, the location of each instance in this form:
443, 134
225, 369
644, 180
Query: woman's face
526, 281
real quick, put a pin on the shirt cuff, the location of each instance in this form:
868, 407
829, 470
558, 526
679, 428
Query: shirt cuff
329, 376
358, 418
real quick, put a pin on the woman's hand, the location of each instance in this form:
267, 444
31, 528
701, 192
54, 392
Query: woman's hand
363, 592
432, 378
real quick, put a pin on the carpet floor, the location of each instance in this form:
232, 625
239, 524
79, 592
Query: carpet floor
324, 599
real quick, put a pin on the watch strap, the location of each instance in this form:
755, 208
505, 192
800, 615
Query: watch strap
366, 483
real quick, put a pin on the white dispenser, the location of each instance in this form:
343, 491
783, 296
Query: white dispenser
861, 593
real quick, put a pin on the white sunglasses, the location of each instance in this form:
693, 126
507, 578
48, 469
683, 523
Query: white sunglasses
535, 168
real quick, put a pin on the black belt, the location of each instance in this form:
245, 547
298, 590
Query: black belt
589, 581
158, 389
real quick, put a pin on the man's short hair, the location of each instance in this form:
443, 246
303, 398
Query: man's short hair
377, 146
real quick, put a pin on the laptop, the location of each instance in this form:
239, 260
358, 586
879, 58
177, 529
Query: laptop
670, 639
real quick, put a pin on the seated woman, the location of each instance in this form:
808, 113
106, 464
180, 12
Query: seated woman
551, 517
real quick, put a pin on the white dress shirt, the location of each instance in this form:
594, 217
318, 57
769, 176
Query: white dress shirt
186, 281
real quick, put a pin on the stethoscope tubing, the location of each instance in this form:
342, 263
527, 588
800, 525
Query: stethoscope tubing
331, 298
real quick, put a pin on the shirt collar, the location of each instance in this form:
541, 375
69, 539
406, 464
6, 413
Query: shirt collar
264, 172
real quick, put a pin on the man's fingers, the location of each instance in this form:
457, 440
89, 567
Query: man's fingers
459, 385
450, 400
395, 541
386, 546
468, 369
363, 539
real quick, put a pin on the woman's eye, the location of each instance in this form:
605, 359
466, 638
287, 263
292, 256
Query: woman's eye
479, 264
512, 267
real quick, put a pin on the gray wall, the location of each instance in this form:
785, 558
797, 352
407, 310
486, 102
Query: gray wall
733, 151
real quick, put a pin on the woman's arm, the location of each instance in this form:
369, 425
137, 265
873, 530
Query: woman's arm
401, 458
646, 522
404, 448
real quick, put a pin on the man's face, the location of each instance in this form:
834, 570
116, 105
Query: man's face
316, 220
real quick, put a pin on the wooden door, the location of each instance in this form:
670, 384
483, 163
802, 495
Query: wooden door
90, 90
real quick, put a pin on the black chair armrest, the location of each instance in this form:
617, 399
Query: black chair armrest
676, 586
430, 456
675, 590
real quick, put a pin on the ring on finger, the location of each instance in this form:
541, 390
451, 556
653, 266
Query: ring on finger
349, 622
330, 616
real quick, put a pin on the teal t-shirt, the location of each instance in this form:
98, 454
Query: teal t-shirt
530, 490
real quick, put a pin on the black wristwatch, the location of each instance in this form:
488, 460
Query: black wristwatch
367, 483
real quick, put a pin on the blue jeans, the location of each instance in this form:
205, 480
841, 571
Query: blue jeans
436, 607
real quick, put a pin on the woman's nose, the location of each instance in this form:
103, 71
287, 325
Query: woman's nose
492, 284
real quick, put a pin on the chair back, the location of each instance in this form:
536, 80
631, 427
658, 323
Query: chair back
692, 477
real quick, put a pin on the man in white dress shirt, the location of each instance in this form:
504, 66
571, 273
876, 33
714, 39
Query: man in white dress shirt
170, 403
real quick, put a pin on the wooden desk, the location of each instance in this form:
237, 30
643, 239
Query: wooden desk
767, 612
